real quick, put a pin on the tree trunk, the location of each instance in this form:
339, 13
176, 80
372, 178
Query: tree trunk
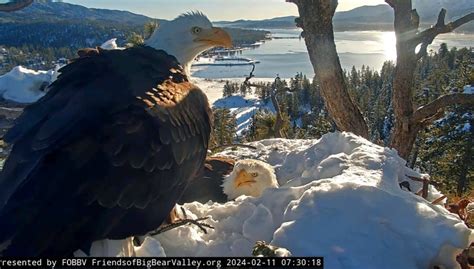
405, 129
316, 21
408, 121
277, 128
466, 166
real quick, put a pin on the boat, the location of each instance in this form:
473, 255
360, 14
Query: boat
224, 61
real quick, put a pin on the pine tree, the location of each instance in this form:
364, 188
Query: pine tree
227, 89
446, 148
225, 127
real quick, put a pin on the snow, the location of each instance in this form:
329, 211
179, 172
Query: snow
243, 109
469, 89
214, 87
111, 44
339, 198
23, 85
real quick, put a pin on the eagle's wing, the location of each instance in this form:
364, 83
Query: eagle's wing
105, 154
208, 186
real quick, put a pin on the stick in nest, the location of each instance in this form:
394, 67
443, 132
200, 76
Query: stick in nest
181, 222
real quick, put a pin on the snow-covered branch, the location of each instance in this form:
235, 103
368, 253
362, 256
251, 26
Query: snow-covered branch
427, 36
431, 109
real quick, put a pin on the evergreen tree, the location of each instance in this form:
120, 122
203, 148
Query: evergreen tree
225, 127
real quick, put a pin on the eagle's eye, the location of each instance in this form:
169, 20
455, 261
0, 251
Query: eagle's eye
254, 174
196, 30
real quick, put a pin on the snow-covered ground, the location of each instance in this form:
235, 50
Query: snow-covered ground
468, 89
242, 107
339, 198
23, 85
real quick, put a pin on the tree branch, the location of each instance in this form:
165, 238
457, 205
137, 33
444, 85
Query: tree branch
232, 145
427, 36
425, 112
391, 3
15, 5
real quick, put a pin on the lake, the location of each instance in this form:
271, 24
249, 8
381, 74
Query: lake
286, 57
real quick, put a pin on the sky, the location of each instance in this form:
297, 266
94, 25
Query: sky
215, 9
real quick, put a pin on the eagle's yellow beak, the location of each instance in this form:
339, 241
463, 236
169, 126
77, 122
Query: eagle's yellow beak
215, 37
243, 178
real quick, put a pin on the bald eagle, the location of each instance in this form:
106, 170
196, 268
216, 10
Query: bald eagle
108, 151
249, 177
225, 179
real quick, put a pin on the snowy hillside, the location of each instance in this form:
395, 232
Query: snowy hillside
243, 109
339, 198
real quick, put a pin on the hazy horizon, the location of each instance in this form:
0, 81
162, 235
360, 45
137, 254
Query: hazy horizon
216, 10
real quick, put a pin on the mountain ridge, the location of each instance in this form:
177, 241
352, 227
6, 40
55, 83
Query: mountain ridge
378, 17
48, 11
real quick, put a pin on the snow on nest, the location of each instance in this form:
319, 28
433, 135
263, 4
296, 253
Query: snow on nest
339, 198
23, 85
111, 44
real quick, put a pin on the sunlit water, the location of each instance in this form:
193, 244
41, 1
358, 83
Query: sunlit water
286, 57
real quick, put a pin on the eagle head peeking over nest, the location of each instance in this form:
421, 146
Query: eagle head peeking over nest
110, 148
249, 177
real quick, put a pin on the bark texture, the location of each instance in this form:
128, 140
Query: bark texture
408, 119
316, 21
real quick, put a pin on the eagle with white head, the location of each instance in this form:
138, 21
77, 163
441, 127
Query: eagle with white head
188, 36
111, 147
249, 177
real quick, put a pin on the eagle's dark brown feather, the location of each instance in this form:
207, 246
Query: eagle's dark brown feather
208, 184
105, 154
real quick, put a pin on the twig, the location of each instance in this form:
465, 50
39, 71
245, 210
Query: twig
233, 145
181, 222
438, 200
426, 182
250, 76
436, 184
427, 36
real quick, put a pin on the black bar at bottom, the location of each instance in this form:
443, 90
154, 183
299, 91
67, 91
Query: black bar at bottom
189, 262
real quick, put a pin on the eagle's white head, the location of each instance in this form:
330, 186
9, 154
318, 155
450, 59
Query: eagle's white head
249, 177
187, 36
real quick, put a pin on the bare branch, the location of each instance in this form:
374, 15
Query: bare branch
233, 145
15, 5
431, 109
415, 19
439, 200
427, 36
427, 122
250, 76
441, 17
391, 3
